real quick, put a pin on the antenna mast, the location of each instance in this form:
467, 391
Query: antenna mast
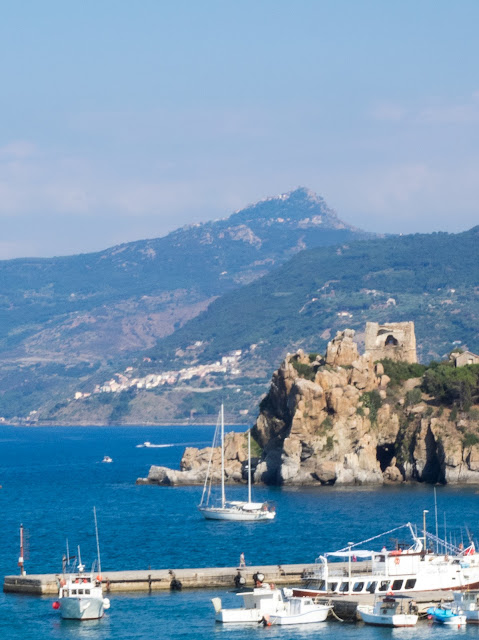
22, 553
97, 541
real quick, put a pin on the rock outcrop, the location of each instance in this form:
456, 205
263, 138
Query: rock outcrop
194, 464
337, 421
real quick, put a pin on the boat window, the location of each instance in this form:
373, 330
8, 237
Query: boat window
322, 585
358, 586
411, 583
344, 587
397, 585
333, 586
80, 592
74, 592
383, 586
87, 591
371, 587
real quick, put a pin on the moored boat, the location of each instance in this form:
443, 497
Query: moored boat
468, 602
268, 605
403, 570
80, 594
447, 615
390, 611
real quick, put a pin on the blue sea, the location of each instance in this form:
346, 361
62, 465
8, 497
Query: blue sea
52, 477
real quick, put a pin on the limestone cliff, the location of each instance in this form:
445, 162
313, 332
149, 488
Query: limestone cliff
337, 420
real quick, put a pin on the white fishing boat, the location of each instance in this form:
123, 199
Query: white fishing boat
234, 510
390, 611
80, 593
403, 570
468, 602
268, 605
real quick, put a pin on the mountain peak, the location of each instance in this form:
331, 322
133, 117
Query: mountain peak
300, 206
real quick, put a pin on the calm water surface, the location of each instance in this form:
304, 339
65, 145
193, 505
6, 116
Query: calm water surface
52, 477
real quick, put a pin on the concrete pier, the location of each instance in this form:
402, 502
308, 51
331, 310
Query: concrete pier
159, 580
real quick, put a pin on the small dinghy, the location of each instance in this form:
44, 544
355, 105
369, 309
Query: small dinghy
447, 615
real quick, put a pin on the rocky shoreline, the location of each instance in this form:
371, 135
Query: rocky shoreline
338, 420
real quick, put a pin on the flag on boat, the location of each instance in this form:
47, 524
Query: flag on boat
471, 550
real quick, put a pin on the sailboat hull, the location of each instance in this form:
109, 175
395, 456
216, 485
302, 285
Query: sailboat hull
218, 513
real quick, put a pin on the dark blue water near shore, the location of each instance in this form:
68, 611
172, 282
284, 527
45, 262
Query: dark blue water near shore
52, 477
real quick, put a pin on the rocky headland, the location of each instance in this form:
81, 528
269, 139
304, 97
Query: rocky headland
339, 419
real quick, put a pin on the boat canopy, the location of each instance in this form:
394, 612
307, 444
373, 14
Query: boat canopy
357, 553
252, 506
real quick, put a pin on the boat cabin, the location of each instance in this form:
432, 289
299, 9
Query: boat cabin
265, 598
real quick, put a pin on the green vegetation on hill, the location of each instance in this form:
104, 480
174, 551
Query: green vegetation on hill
432, 279
453, 386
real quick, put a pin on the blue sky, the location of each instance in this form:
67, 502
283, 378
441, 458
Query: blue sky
124, 120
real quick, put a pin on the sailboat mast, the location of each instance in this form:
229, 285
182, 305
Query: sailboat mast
249, 466
223, 499
97, 541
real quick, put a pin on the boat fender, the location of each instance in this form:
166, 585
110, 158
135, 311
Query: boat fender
56, 604
397, 560
98, 578
265, 621
106, 603
216, 604
85, 580
175, 585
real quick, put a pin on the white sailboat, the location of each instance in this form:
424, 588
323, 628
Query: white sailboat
234, 510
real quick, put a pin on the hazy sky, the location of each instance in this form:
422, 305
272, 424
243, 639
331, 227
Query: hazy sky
122, 120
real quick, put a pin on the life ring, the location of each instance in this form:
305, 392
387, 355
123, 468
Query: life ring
397, 560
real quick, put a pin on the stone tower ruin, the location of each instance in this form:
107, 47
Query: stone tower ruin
394, 340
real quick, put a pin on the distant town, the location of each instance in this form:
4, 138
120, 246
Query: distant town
229, 364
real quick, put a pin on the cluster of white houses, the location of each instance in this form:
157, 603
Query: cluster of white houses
123, 381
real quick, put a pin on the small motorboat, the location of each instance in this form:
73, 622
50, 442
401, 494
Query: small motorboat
447, 615
107, 459
390, 611
149, 445
267, 604
468, 602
